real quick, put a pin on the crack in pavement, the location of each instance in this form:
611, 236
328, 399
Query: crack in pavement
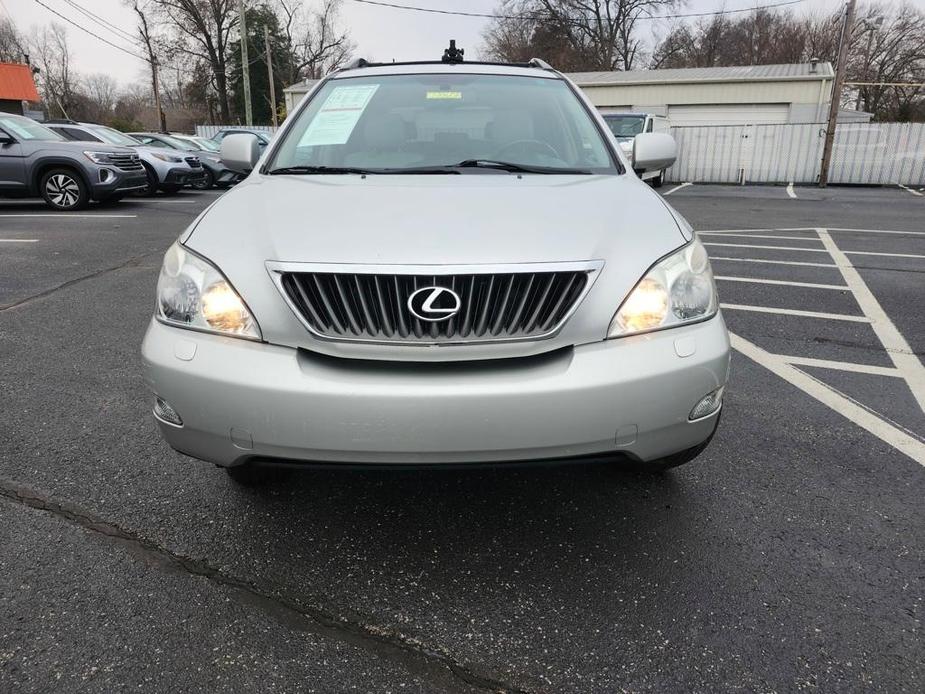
410, 652
133, 261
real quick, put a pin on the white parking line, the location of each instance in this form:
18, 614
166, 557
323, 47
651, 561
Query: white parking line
68, 215
842, 366
785, 283
888, 255
733, 232
776, 248
790, 190
852, 410
772, 262
676, 188
811, 250
18, 240
759, 236
897, 347
797, 312
906, 188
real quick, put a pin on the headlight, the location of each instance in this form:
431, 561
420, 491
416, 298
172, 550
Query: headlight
167, 157
678, 289
98, 157
192, 293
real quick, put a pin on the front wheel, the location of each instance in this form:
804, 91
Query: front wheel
151, 185
204, 183
658, 180
64, 190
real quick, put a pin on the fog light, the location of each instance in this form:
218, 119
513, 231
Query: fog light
164, 412
105, 175
708, 404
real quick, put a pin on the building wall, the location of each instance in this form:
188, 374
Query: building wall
11, 106
807, 98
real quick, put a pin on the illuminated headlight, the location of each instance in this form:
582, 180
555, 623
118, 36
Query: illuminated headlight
192, 293
167, 157
98, 157
678, 289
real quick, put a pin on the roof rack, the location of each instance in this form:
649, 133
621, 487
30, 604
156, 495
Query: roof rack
451, 56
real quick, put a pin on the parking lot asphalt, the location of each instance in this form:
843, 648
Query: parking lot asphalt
789, 556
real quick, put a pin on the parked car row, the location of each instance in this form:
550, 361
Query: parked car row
70, 163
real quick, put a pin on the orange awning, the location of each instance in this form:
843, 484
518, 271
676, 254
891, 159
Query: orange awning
16, 82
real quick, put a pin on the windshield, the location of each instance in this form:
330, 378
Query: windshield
625, 126
207, 145
174, 142
395, 122
27, 129
113, 137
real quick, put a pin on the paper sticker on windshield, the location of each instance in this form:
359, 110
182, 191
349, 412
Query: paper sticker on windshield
444, 95
338, 116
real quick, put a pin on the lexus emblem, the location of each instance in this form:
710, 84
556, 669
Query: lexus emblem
434, 304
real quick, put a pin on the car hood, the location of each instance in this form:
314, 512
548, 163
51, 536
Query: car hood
80, 147
438, 220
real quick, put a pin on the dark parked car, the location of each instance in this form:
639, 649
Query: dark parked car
36, 161
165, 170
214, 170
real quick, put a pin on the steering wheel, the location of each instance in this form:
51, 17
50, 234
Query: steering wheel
527, 145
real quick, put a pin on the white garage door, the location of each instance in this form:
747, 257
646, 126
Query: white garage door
728, 114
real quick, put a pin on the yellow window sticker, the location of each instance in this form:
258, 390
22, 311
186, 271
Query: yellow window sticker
444, 95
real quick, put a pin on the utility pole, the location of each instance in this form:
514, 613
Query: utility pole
152, 61
161, 117
837, 82
245, 66
266, 40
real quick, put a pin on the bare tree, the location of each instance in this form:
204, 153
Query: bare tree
58, 83
600, 34
100, 92
314, 40
12, 44
203, 29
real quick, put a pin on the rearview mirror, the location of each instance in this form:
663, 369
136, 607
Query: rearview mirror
653, 152
240, 152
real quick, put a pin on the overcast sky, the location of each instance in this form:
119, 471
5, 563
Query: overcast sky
380, 33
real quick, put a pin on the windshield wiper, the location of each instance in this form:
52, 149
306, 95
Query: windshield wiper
307, 170
515, 168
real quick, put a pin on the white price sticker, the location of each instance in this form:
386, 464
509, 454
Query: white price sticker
338, 116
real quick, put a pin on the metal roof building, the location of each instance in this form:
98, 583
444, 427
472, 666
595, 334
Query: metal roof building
796, 93
16, 86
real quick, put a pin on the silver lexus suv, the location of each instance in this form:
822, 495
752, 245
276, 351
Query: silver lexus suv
438, 263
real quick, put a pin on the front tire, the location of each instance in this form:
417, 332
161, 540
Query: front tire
151, 188
658, 180
63, 189
205, 182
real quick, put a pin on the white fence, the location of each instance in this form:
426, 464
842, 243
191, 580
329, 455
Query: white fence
209, 130
863, 153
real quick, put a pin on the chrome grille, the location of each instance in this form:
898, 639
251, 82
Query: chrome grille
194, 162
125, 162
493, 306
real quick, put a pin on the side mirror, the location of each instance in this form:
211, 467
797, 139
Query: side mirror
240, 152
653, 151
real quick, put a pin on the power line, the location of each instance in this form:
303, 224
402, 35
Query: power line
538, 18
94, 35
121, 33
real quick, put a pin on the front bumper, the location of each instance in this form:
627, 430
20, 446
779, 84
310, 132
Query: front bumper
183, 177
108, 181
241, 400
